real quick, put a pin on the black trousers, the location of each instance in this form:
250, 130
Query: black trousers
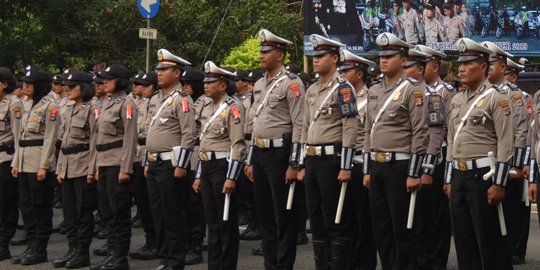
35, 203
300, 207
278, 225
477, 236
196, 224
167, 197
79, 200
424, 224
120, 203
515, 214
104, 207
389, 201
223, 236
524, 224
246, 200
441, 218
142, 200
357, 200
9, 211
322, 193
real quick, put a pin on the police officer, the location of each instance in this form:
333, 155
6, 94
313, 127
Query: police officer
329, 129
11, 110
514, 189
432, 25
116, 142
192, 85
439, 203
34, 164
275, 150
412, 24
452, 23
79, 191
143, 82
423, 216
394, 144
221, 157
354, 69
170, 141
480, 123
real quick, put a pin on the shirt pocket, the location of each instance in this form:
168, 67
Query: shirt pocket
476, 119
109, 126
3, 120
78, 128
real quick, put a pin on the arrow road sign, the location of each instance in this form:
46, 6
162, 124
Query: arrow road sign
148, 8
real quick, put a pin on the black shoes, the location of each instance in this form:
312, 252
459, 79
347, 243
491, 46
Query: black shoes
302, 239
148, 251
100, 264
117, 263
251, 233
104, 250
257, 251
194, 256
61, 262
80, 259
21, 240
35, 256
4, 253
17, 258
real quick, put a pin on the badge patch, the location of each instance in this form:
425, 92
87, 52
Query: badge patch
505, 107
396, 96
518, 100
295, 88
129, 111
346, 102
346, 93
185, 105
53, 114
480, 103
236, 114
17, 112
418, 98
97, 112
529, 107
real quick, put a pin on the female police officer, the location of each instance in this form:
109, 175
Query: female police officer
79, 193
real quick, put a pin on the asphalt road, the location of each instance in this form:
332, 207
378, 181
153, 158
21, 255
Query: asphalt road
304, 259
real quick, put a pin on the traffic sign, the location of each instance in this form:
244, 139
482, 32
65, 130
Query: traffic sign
147, 33
148, 8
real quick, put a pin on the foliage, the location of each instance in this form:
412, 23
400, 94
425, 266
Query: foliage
246, 56
81, 33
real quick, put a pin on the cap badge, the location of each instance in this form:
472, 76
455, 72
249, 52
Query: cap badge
160, 55
144, 76
108, 69
314, 42
462, 46
66, 71
184, 73
207, 67
262, 36
250, 74
384, 40
70, 76
28, 73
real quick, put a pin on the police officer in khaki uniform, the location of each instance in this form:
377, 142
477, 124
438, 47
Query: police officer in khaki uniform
441, 215
143, 82
275, 149
11, 110
433, 27
452, 23
34, 163
412, 24
79, 192
116, 143
354, 69
328, 131
435, 117
170, 140
394, 145
514, 189
480, 123
192, 85
221, 157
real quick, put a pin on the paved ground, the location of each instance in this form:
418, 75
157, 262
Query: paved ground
304, 258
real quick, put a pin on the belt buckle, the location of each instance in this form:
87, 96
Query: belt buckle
380, 157
152, 157
311, 151
462, 165
260, 143
204, 156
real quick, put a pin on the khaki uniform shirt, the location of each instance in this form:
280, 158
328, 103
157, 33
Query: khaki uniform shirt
414, 30
197, 107
142, 112
518, 107
361, 106
330, 127
38, 123
454, 28
435, 119
226, 131
535, 128
114, 124
11, 111
447, 92
282, 111
434, 31
78, 124
174, 125
488, 127
402, 126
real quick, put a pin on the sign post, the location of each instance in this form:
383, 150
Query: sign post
148, 9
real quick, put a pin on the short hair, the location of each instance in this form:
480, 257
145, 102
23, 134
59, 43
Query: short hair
87, 91
122, 84
41, 89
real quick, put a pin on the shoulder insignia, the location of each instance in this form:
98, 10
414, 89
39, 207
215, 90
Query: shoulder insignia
17, 112
517, 99
347, 101
236, 113
97, 112
129, 111
449, 87
341, 80
505, 107
185, 105
295, 88
512, 86
529, 107
418, 98
431, 90
291, 75
53, 113
412, 80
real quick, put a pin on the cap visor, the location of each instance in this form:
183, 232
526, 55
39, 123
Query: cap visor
266, 48
316, 53
210, 79
410, 63
467, 58
160, 66
388, 53
26, 79
71, 83
107, 76
142, 82
345, 67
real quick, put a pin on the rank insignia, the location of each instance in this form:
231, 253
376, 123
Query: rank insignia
129, 111
53, 114
295, 88
185, 105
517, 99
169, 101
236, 114
418, 98
480, 103
396, 96
505, 107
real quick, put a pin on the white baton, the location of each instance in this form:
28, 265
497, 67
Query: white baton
341, 201
290, 196
488, 175
226, 206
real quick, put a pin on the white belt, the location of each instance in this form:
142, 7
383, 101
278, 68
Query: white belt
312, 150
211, 155
466, 165
384, 157
267, 143
162, 156
444, 144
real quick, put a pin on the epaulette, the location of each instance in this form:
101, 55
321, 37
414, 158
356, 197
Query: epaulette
512, 86
431, 90
341, 80
230, 101
449, 87
291, 75
412, 80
